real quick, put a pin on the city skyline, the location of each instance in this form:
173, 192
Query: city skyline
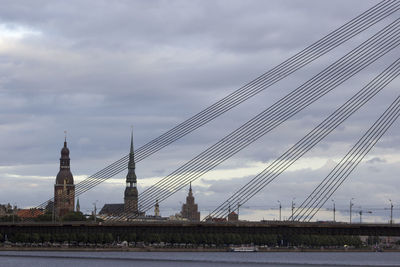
155, 73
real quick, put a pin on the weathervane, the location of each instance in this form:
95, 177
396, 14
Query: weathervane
65, 135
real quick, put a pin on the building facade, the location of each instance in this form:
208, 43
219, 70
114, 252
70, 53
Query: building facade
190, 208
7, 210
64, 188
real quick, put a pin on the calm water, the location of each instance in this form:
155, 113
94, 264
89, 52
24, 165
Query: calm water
151, 259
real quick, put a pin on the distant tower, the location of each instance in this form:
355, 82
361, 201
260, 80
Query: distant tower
64, 189
157, 209
190, 209
131, 192
78, 206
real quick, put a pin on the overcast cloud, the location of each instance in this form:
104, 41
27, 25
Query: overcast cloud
94, 68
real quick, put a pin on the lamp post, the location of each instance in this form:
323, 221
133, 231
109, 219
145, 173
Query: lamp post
14, 211
53, 214
334, 210
293, 208
280, 211
351, 206
95, 211
361, 213
391, 212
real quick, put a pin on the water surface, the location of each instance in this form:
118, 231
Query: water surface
193, 259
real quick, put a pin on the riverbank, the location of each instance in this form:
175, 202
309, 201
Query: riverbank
153, 249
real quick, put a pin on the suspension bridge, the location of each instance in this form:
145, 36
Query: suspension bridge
384, 41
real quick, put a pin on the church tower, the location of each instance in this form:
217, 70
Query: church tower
64, 188
131, 192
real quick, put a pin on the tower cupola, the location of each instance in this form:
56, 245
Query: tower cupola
65, 175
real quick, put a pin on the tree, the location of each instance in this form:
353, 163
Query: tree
132, 237
10, 218
74, 216
45, 237
47, 217
108, 238
35, 238
82, 237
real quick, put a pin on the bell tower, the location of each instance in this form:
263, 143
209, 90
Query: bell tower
64, 188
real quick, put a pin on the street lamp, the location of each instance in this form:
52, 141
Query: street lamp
334, 211
280, 211
351, 206
293, 208
391, 212
14, 211
361, 213
95, 210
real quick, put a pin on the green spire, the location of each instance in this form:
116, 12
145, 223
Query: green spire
132, 152
131, 176
131, 164
78, 206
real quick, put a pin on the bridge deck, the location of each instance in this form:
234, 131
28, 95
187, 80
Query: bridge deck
208, 227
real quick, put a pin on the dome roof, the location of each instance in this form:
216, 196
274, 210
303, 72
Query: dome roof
131, 192
64, 175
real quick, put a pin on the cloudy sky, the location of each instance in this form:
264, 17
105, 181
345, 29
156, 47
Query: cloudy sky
95, 68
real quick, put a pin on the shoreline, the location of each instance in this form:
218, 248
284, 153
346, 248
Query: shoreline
152, 249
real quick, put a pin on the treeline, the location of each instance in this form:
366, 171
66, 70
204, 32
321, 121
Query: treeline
48, 217
73, 216
218, 239
10, 218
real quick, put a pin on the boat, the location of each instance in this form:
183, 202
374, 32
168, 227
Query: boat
243, 249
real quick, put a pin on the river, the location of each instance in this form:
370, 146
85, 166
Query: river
194, 259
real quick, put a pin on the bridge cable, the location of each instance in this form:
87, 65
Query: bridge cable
348, 163
207, 156
324, 45
375, 47
264, 178
302, 94
273, 79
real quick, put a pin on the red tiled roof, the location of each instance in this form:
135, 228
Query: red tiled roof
29, 213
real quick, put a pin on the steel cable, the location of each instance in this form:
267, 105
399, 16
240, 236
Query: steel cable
354, 31
327, 182
259, 182
327, 43
348, 163
365, 57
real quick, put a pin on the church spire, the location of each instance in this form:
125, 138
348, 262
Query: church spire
131, 176
78, 206
131, 164
131, 193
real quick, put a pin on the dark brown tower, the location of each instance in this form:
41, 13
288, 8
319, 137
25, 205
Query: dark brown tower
190, 209
64, 189
131, 192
